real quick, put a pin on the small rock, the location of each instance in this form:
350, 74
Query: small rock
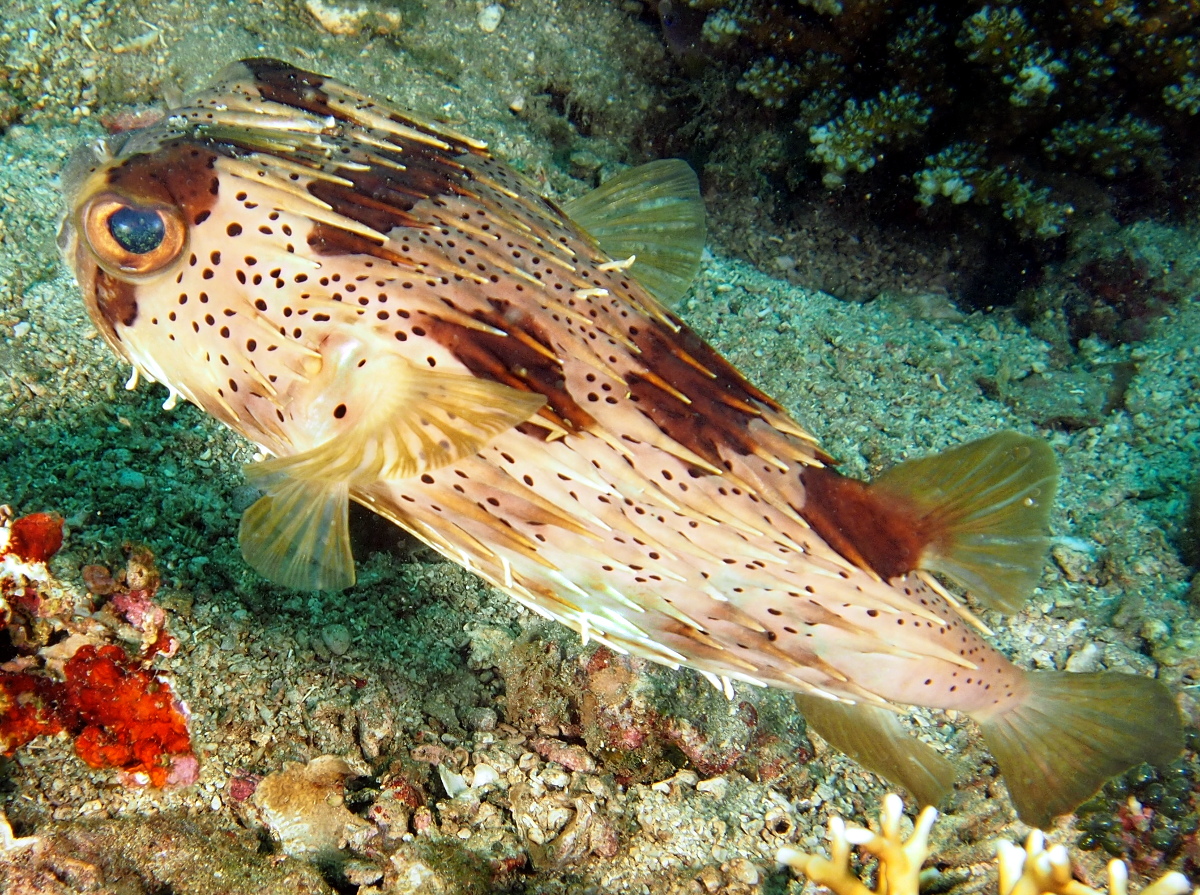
130, 480
354, 18
714, 786
1155, 630
361, 873
454, 784
489, 17
585, 165
304, 806
742, 871
710, 879
337, 638
480, 718
556, 778
344, 20
1085, 659
571, 757
1074, 564
1066, 399
482, 775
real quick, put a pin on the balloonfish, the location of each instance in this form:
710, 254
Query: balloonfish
396, 317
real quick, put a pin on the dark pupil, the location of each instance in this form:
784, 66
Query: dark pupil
137, 230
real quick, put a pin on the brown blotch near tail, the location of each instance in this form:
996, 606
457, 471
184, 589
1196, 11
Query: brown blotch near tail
870, 530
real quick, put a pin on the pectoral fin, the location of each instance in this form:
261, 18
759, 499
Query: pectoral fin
425, 421
297, 535
420, 420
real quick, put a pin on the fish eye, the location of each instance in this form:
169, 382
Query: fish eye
137, 230
130, 238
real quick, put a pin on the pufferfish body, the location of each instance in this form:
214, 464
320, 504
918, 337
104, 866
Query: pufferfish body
399, 319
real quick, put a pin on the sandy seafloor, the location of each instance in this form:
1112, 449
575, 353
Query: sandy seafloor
437, 667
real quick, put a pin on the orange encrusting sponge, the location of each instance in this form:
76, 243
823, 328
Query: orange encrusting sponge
121, 716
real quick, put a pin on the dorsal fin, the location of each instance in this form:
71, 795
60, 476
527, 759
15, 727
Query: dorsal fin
984, 508
653, 212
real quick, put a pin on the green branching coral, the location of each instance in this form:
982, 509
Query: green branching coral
771, 82
912, 51
960, 173
722, 28
1000, 103
1001, 39
1184, 95
855, 140
775, 84
1107, 148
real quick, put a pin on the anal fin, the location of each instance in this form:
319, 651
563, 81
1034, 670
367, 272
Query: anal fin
874, 737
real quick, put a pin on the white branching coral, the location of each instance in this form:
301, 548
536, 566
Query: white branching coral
899, 860
1035, 869
1032, 870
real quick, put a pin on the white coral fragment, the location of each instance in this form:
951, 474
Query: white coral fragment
303, 805
1037, 870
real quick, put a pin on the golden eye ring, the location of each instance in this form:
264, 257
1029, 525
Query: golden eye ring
133, 239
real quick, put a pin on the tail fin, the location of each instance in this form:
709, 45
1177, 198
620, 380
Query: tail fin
1075, 731
874, 737
985, 507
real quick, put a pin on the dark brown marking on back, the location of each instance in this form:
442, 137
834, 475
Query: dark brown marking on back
326, 239
514, 363
383, 197
282, 83
688, 341
180, 173
872, 531
707, 423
